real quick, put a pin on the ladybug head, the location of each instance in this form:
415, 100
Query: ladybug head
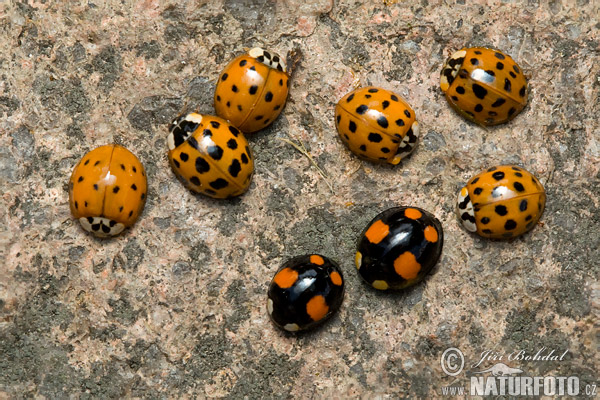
182, 128
268, 58
451, 68
465, 211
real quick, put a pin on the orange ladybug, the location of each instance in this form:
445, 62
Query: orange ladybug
486, 86
502, 202
252, 90
107, 190
377, 125
210, 156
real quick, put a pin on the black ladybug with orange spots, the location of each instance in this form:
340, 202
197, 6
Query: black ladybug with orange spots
399, 247
305, 292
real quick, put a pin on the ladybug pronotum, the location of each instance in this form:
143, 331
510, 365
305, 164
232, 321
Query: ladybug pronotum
305, 292
484, 85
107, 190
252, 90
210, 156
377, 125
502, 202
399, 248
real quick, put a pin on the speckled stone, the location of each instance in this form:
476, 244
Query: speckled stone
175, 307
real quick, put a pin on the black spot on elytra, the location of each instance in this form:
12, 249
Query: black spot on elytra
373, 90
349, 99
518, 186
523, 205
478, 108
485, 220
520, 175
385, 104
499, 56
477, 52
133, 186
134, 169
277, 107
243, 62
394, 97
400, 122
96, 163
492, 113
216, 152
215, 124
80, 179
491, 169
501, 210
407, 113
232, 144
507, 85
511, 111
498, 175
184, 156
176, 163
363, 147
474, 61
528, 218
195, 180
522, 91
235, 168
474, 181
234, 88
123, 167
499, 102
228, 104
219, 183
95, 186
244, 158
338, 118
234, 130
368, 96
454, 98
202, 165
510, 225
375, 137
479, 91
218, 98
224, 77
86, 162
352, 126
512, 74
362, 109
460, 90
281, 82
130, 213
478, 190
259, 117
121, 209
76, 206
385, 150
499, 65
269, 97
239, 107
382, 121
253, 89
116, 189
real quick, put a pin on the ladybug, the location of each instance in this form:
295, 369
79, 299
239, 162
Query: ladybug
399, 247
486, 86
377, 125
305, 292
210, 156
107, 190
252, 90
501, 202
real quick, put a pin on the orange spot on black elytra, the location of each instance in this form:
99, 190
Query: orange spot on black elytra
377, 231
412, 213
285, 278
431, 234
316, 259
407, 266
317, 307
336, 278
